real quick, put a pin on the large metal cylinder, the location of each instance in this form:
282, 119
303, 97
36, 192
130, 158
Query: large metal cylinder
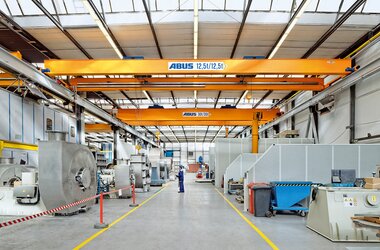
67, 173
123, 174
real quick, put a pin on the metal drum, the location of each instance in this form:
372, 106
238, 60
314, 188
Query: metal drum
67, 173
123, 177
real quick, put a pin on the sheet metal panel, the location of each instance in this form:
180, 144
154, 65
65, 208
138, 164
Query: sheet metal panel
72, 128
16, 118
346, 157
28, 122
267, 168
4, 111
293, 161
58, 121
318, 157
48, 114
369, 157
38, 123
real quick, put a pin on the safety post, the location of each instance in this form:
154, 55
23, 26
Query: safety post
101, 224
134, 204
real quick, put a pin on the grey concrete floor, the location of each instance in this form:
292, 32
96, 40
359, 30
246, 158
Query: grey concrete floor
197, 219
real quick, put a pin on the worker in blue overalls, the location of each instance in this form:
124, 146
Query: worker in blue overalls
181, 177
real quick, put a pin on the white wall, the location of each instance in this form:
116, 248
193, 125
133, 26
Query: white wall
333, 126
181, 152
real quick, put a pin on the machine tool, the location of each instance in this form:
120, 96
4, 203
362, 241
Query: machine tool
333, 210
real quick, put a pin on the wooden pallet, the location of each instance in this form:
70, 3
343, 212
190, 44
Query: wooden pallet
373, 219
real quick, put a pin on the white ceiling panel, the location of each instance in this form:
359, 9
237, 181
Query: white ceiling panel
214, 52
230, 94
135, 94
133, 35
278, 94
69, 54
52, 38
213, 4
207, 94
182, 51
261, 5
102, 53
146, 52
90, 38
174, 34
260, 34
215, 34
183, 94
160, 94
114, 94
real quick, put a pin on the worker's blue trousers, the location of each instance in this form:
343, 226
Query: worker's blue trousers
181, 187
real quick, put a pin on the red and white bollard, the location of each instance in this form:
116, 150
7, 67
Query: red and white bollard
134, 204
101, 224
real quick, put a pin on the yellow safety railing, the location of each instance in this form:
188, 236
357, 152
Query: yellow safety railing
16, 145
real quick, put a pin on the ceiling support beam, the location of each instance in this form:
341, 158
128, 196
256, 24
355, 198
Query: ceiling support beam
232, 129
61, 28
174, 102
262, 99
361, 43
162, 133
292, 22
129, 99
217, 99
242, 96
99, 20
283, 99
334, 27
173, 133
241, 132
204, 138
245, 15
184, 134
147, 12
216, 135
17, 29
108, 99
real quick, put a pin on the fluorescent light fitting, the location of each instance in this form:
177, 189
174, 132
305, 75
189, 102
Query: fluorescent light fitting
289, 28
102, 27
147, 96
196, 18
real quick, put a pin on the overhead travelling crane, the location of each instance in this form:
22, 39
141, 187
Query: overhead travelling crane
199, 67
194, 117
193, 74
